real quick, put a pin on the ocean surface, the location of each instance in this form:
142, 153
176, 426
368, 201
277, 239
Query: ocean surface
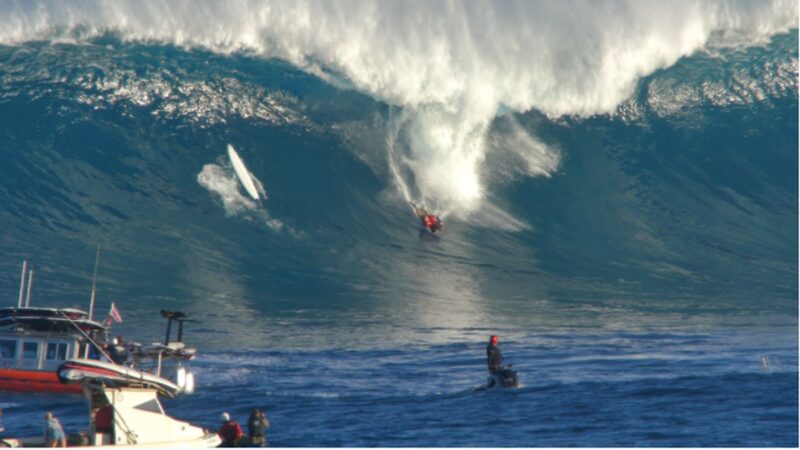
618, 182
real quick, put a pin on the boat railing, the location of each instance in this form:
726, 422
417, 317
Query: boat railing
123, 426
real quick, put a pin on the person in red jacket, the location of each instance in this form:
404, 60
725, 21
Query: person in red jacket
230, 431
429, 221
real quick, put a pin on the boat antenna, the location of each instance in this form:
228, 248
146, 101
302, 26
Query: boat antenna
94, 284
30, 283
22, 282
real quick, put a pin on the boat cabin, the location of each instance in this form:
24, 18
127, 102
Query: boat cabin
35, 341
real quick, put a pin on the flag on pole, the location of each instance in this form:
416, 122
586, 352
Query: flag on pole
114, 314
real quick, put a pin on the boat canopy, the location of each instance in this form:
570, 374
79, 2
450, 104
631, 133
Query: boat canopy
48, 319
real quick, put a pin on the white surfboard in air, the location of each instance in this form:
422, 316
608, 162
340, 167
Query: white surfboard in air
242, 173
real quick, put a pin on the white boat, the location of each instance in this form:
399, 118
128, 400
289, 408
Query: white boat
128, 417
36, 341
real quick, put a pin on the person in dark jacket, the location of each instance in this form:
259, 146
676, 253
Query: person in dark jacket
257, 427
117, 351
230, 431
494, 359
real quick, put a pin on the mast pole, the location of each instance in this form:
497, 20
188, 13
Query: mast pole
94, 284
22, 282
30, 283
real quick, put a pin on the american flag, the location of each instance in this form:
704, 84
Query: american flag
113, 313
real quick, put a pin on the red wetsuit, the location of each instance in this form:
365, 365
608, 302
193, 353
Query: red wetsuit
430, 221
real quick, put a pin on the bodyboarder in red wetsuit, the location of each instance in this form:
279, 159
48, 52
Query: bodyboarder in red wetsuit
429, 221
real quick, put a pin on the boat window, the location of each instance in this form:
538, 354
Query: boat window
8, 349
56, 350
151, 406
30, 350
51, 350
62, 351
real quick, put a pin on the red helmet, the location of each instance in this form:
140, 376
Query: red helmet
493, 340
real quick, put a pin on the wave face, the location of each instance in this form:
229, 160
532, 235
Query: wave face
451, 67
604, 169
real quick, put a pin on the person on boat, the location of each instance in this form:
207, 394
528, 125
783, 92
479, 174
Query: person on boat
104, 419
53, 433
230, 431
117, 351
93, 353
257, 426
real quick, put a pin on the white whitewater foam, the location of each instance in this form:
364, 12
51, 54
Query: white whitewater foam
223, 183
221, 180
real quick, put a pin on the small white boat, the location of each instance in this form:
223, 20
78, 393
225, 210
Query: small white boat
128, 417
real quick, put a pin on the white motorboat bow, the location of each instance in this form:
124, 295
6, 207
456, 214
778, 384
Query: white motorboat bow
129, 416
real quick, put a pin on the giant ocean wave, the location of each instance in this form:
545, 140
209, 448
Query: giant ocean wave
610, 162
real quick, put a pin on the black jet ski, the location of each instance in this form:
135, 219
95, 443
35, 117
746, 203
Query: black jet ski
503, 378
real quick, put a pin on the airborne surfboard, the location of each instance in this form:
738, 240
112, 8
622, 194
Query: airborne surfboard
242, 173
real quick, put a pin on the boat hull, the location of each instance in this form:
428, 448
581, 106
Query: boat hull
16, 380
210, 440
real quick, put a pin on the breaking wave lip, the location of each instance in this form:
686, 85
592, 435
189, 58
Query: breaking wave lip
587, 58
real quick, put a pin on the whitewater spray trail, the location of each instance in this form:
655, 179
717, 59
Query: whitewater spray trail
450, 66
221, 179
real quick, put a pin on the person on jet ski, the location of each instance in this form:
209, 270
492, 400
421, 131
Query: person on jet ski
494, 359
497, 371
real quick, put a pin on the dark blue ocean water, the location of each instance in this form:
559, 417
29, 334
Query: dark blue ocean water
648, 297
